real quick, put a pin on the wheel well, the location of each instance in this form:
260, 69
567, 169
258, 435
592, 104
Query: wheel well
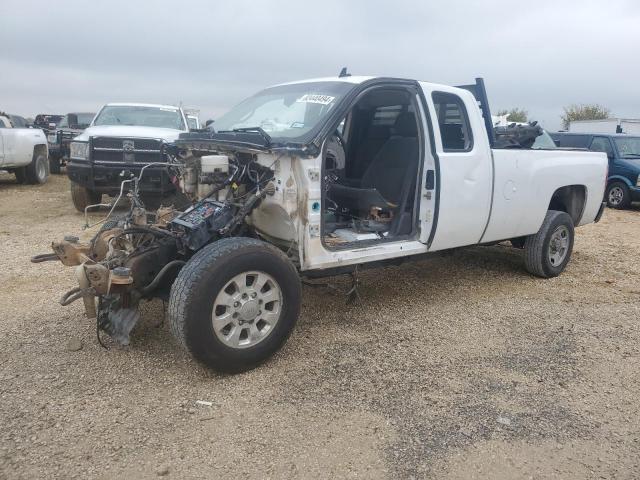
570, 199
39, 149
617, 180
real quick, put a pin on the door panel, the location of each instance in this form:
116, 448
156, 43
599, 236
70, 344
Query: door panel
465, 167
1, 147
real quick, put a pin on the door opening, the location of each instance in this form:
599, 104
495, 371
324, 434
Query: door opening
370, 171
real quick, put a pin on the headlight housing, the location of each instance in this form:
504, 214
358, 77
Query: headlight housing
638, 181
78, 150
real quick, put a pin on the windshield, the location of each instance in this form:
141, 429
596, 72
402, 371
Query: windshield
628, 147
140, 116
84, 119
544, 142
287, 111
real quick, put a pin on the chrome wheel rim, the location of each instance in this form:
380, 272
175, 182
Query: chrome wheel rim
41, 168
559, 245
616, 194
247, 309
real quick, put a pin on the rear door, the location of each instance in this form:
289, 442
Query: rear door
465, 174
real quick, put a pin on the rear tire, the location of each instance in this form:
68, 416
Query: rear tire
618, 195
37, 171
83, 197
547, 253
208, 311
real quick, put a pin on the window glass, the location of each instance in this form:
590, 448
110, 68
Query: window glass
17, 121
453, 121
84, 119
602, 144
287, 111
387, 115
544, 142
141, 116
571, 141
628, 147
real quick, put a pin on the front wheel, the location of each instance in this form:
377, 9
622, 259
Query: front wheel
235, 303
618, 195
83, 197
547, 253
37, 171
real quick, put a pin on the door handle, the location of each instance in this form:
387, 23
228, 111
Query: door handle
430, 180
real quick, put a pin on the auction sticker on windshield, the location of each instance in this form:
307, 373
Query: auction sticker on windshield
314, 98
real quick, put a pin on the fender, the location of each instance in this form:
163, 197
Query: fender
613, 178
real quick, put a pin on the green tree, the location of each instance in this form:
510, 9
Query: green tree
515, 115
585, 111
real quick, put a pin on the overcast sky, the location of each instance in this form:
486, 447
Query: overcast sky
57, 57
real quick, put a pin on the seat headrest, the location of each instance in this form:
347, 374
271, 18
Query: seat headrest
405, 125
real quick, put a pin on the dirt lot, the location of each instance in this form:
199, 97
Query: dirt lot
455, 367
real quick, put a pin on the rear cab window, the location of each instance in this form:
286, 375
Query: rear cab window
453, 122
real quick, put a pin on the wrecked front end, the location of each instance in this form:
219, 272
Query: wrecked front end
127, 260
136, 255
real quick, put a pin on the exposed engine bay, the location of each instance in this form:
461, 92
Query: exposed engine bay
136, 255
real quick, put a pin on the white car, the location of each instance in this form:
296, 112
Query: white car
23, 150
120, 140
325, 177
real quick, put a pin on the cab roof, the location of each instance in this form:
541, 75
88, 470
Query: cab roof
132, 104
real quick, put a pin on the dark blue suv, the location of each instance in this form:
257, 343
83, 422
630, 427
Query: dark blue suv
623, 183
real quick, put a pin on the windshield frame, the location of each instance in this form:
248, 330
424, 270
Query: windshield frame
633, 156
178, 111
339, 89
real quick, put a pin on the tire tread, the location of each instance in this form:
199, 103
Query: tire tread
534, 245
194, 271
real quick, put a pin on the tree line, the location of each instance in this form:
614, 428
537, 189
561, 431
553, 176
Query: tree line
585, 111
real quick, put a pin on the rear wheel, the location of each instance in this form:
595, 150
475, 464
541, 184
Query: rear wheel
547, 253
235, 303
37, 171
618, 195
83, 197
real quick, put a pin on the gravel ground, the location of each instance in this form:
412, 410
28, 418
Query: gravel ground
455, 367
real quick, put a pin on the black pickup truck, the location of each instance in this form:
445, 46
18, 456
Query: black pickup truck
69, 127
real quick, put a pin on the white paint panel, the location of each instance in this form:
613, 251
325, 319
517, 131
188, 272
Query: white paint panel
530, 177
465, 179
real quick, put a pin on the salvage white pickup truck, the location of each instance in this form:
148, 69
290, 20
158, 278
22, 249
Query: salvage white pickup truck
23, 150
325, 177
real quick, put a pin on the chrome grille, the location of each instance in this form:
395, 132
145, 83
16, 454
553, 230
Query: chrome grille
126, 150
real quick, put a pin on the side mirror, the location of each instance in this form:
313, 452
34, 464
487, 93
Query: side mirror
208, 122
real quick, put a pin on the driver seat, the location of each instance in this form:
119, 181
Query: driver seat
388, 175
